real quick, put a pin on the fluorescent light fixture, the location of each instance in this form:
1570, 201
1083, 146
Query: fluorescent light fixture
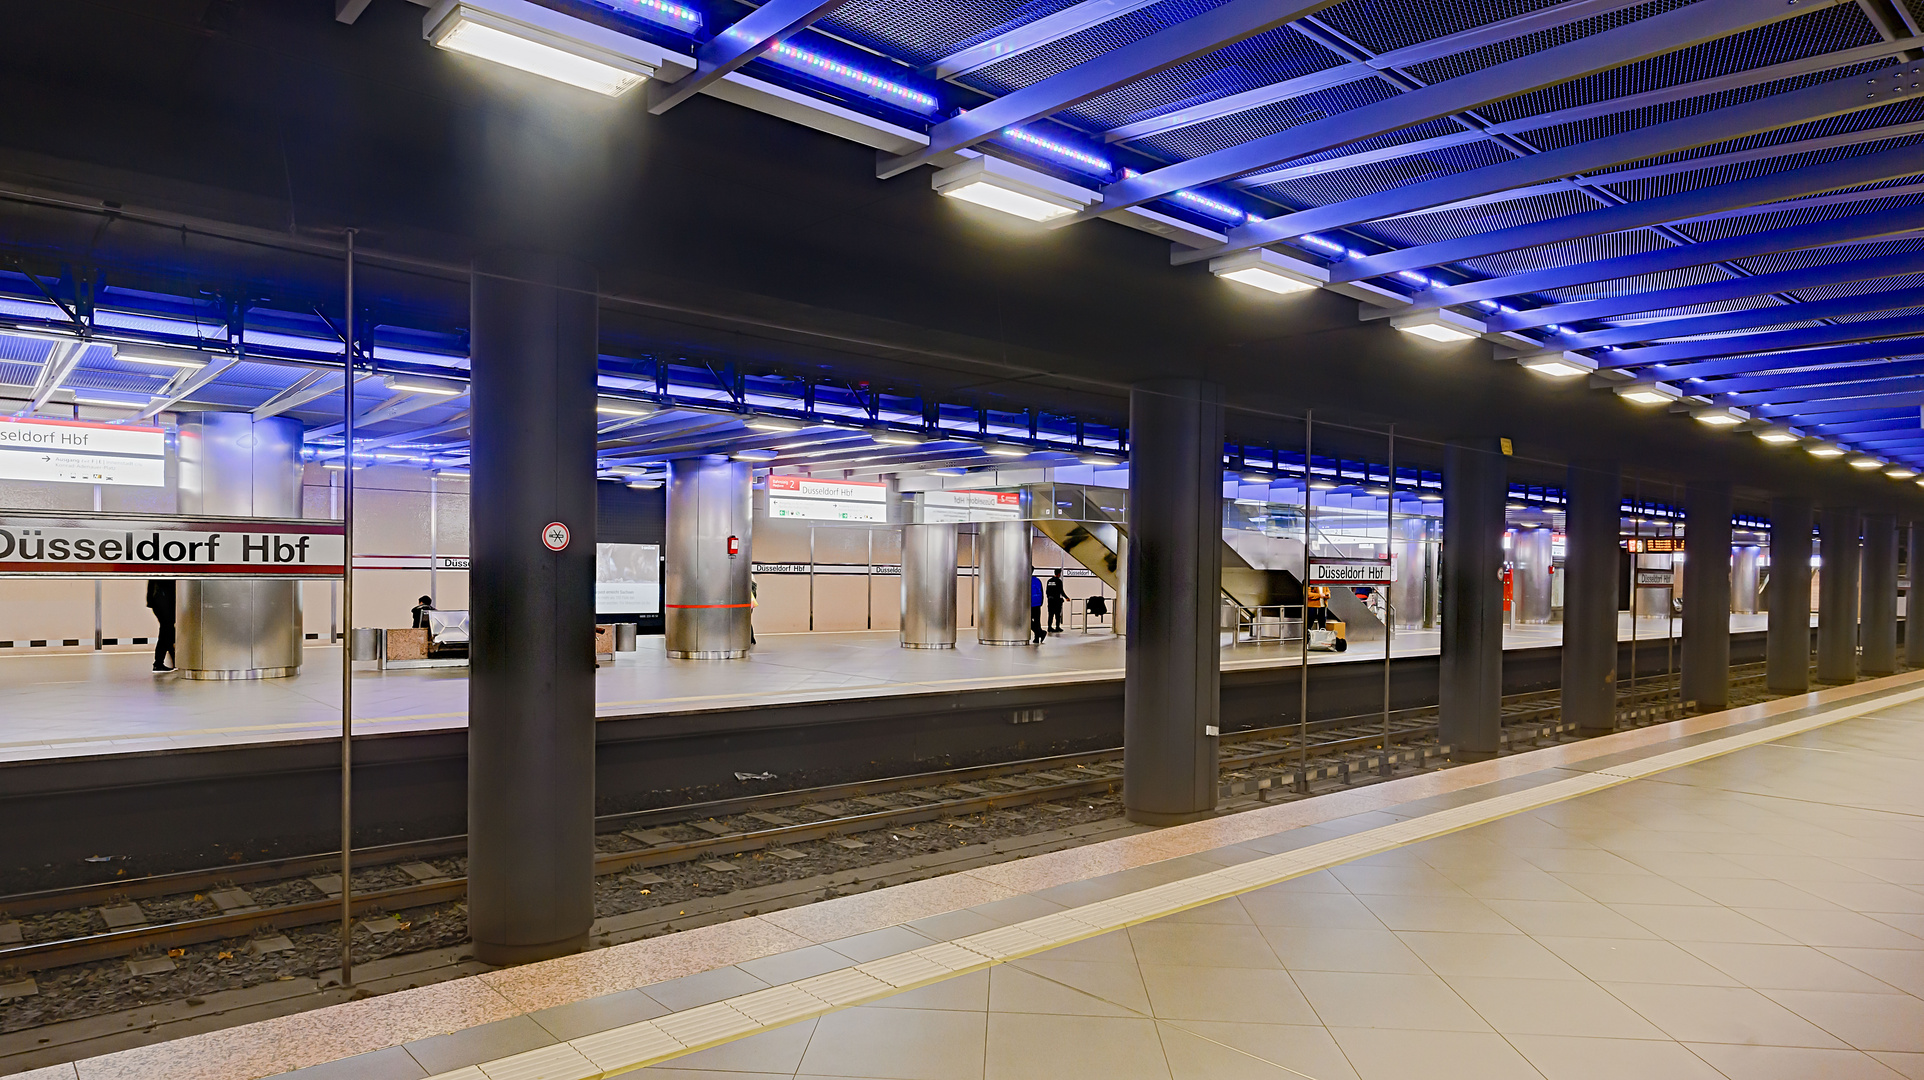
1717, 416
1439, 325
644, 485
756, 455
1430, 496
421, 384
1558, 365
1777, 435
772, 423
614, 406
1007, 450
451, 474
1099, 461
157, 359
899, 438
1322, 485
1900, 473
1269, 271
335, 465
1824, 449
531, 38
111, 398
1866, 462
1012, 189
1648, 393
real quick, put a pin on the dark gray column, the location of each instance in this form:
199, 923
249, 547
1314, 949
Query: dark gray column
1878, 604
1470, 684
1592, 521
1787, 646
1913, 611
1837, 595
531, 702
1171, 688
1706, 596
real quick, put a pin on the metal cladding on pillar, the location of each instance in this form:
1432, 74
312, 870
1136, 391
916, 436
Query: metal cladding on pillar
1004, 565
1706, 596
1787, 646
531, 696
707, 599
1407, 592
1878, 605
1746, 576
232, 465
1470, 680
928, 586
1532, 560
1913, 612
1593, 523
1172, 658
1838, 530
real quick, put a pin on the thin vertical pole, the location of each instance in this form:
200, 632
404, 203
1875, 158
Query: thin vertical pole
1302, 677
97, 629
434, 539
1389, 597
347, 639
1636, 557
1670, 604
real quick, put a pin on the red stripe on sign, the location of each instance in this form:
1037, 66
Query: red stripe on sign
686, 606
100, 569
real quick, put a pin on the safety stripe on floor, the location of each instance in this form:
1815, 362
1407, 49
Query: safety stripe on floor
650, 1042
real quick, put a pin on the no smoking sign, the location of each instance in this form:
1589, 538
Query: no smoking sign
554, 536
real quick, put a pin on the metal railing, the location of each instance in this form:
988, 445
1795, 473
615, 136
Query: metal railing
1255, 624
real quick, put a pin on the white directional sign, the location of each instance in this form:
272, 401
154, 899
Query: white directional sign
827, 500
948, 507
81, 452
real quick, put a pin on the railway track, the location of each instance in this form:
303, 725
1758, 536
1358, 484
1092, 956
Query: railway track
1287, 761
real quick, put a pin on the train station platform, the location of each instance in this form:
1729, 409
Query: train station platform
65, 705
1735, 895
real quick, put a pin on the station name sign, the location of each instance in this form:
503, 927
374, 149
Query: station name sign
36, 449
35, 545
827, 500
1357, 572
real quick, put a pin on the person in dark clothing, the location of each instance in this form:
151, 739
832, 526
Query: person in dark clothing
1052, 590
421, 609
1035, 611
160, 601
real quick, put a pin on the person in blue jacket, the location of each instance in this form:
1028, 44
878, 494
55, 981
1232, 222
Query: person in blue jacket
1035, 610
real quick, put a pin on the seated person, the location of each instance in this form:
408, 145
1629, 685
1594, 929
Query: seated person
421, 610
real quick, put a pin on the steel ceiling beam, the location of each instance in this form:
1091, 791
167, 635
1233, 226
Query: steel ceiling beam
1032, 35
1755, 191
1862, 388
1746, 384
1790, 361
1214, 29
757, 32
1838, 97
1542, 19
458, 422
1681, 28
310, 387
1906, 419
398, 405
1817, 276
1724, 322
1841, 406
1773, 341
62, 358
1844, 230
188, 383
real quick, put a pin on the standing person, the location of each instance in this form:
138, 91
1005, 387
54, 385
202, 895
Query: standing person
1318, 607
1053, 591
1035, 610
160, 601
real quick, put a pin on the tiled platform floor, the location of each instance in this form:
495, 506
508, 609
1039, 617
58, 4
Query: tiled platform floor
1754, 915
68, 704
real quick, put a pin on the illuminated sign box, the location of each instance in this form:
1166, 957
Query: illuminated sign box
802, 498
955, 507
82, 452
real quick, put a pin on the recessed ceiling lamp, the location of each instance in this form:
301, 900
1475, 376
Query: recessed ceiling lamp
1012, 189
422, 384
1824, 449
644, 485
1269, 271
534, 39
1439, 325
900, 438
1099, 461
1007, 450
157, 359
1648, 393
1777, 435
1866, 462
1900, 473
1322, 485
771, 423
756, 455
1558, 365
1717, 416
111, 398
451, 474
614, 406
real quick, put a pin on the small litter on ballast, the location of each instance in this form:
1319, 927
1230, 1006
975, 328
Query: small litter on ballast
754, 776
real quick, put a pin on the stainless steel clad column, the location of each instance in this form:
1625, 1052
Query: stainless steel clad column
1173, 656
1879, 602
709, 566
234, 466
1837, 595
531, 698
1592, 524
1913, 610
1532, 559
1005, 563
928, 586
1746, 573
1412, 584
1470, 682
1706, 596
1787, 647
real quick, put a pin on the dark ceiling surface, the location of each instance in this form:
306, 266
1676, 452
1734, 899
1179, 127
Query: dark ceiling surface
712, 227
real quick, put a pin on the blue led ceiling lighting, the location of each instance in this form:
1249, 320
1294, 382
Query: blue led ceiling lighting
1082, 159
1214, 207
685, 19
834, 71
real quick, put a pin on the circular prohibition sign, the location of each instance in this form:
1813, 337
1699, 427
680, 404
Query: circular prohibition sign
554, 536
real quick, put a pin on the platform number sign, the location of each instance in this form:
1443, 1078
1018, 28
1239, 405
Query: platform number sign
555, 536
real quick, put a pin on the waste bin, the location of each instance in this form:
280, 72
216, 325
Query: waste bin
625, 636
368, 643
